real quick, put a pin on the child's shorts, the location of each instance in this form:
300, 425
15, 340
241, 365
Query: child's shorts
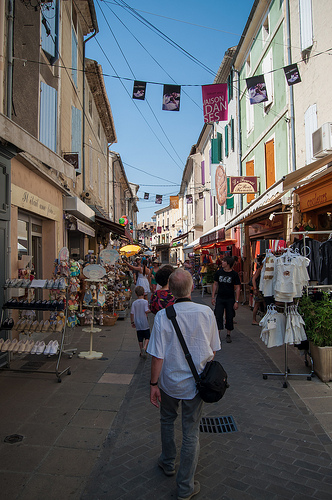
143, 334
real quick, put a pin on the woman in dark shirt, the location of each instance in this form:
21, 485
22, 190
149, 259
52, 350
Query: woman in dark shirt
227, 286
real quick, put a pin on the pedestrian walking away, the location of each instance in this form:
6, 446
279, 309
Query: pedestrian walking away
227, 286
172, 383
143, 275
163, 297
138, 317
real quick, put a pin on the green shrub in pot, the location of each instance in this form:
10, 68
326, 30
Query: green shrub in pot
317, 315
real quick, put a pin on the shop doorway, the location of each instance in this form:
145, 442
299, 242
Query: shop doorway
29, 241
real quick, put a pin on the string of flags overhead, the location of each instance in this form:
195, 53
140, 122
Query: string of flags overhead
215, 106
215, 99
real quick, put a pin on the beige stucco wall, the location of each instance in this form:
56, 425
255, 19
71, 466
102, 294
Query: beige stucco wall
48, 196
315, 86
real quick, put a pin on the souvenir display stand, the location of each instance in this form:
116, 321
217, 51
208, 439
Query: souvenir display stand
31, 332
91, 354
94, 297
284, 279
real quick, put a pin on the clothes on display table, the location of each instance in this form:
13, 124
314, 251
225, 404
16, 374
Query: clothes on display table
143, 281
282, 328
284, 277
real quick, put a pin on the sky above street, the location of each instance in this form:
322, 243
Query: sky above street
178, 42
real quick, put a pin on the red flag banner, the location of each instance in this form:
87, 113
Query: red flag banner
215, 102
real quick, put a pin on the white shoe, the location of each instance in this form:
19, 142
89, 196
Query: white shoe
54, 347
20, 346
34, 347
29, 346
5, 345
41, 347
12, 345
48, 348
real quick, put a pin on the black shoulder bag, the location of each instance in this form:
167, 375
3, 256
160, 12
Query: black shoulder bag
212, 382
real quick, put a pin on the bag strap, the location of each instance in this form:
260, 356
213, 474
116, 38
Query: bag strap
171, 314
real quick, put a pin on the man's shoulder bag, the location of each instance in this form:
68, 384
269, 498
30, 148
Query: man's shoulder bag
212, 382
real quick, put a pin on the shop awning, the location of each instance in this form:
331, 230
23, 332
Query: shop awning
179, 238
84, 228
103, 220
269, 200
191, 245
213, 235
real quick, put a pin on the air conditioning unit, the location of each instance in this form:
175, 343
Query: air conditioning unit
322, 141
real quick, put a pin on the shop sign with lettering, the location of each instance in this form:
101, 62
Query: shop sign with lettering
243, 185
28, 201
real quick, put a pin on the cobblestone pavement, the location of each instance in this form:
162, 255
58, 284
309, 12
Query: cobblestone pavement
279, 449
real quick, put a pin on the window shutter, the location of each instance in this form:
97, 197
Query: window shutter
226, 141
48, 116
310, 125
76, 134
74, 45
232, 134
306, 31
216, 149
222, 210
203, 172
230, 86
230, 197
48, 40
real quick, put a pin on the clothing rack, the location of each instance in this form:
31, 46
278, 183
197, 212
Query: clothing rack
286, 373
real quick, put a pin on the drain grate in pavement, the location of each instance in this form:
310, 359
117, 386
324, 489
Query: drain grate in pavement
13, 438
217, 425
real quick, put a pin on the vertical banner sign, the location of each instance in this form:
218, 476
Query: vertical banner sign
189, 198
171, 98
256, 89
200, 195
174, 202
215, 102
159, 199
146, 196
139, 90
292, 74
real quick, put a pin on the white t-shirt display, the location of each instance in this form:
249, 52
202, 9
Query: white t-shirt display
138, 309
199, 329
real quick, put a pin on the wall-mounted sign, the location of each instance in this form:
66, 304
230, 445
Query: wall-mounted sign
33, 203
243, 185
72, 158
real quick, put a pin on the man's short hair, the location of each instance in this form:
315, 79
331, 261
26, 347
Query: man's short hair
163, 274
139, 290
180, 283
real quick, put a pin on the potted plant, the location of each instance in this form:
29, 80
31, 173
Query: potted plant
317, 315
208, 278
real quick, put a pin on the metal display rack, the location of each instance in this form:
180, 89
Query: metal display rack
18, 306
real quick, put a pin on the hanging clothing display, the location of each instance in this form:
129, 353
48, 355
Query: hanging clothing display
291, 276
312, 251
294, 333
273, 327
326, 262
266, 284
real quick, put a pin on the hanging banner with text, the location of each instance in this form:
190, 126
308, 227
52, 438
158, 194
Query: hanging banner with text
215, 102
243, 185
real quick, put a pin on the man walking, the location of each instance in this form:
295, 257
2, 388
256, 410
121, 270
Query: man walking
172, 381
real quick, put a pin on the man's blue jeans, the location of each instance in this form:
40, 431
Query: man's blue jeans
191, 416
